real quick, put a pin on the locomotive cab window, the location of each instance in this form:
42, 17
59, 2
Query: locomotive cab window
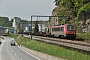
70, 27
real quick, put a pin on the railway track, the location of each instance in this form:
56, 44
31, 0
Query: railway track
80, 46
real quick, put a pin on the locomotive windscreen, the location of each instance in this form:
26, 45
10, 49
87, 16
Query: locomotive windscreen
70, 27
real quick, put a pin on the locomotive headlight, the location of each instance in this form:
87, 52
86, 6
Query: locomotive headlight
74, 32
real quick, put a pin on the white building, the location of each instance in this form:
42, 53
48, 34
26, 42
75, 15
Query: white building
16, 23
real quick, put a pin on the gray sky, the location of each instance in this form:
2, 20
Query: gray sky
25, 8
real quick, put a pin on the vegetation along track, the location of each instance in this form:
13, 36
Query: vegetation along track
80, 46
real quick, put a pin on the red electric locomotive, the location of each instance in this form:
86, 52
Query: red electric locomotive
64, 31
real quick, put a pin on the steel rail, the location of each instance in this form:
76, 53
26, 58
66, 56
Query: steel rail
75, 45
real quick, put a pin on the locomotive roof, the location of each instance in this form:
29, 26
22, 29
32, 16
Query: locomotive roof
56, 26
63, 24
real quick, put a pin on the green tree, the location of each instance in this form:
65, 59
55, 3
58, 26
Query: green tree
36, 27
21, 30
4, 21
71, 7
9, 24
84, 12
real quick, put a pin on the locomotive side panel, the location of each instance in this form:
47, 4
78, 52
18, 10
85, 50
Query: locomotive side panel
57, 31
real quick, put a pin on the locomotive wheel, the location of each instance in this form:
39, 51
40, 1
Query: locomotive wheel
61, 37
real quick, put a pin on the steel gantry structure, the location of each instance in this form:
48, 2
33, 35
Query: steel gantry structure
39, 17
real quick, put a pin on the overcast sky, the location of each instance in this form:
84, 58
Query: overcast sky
25, 8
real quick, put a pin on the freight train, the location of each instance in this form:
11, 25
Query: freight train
61, 31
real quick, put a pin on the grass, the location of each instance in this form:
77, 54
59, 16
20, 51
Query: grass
84, 36
51, 49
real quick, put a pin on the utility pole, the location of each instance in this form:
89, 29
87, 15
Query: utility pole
31, 27
41, 26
